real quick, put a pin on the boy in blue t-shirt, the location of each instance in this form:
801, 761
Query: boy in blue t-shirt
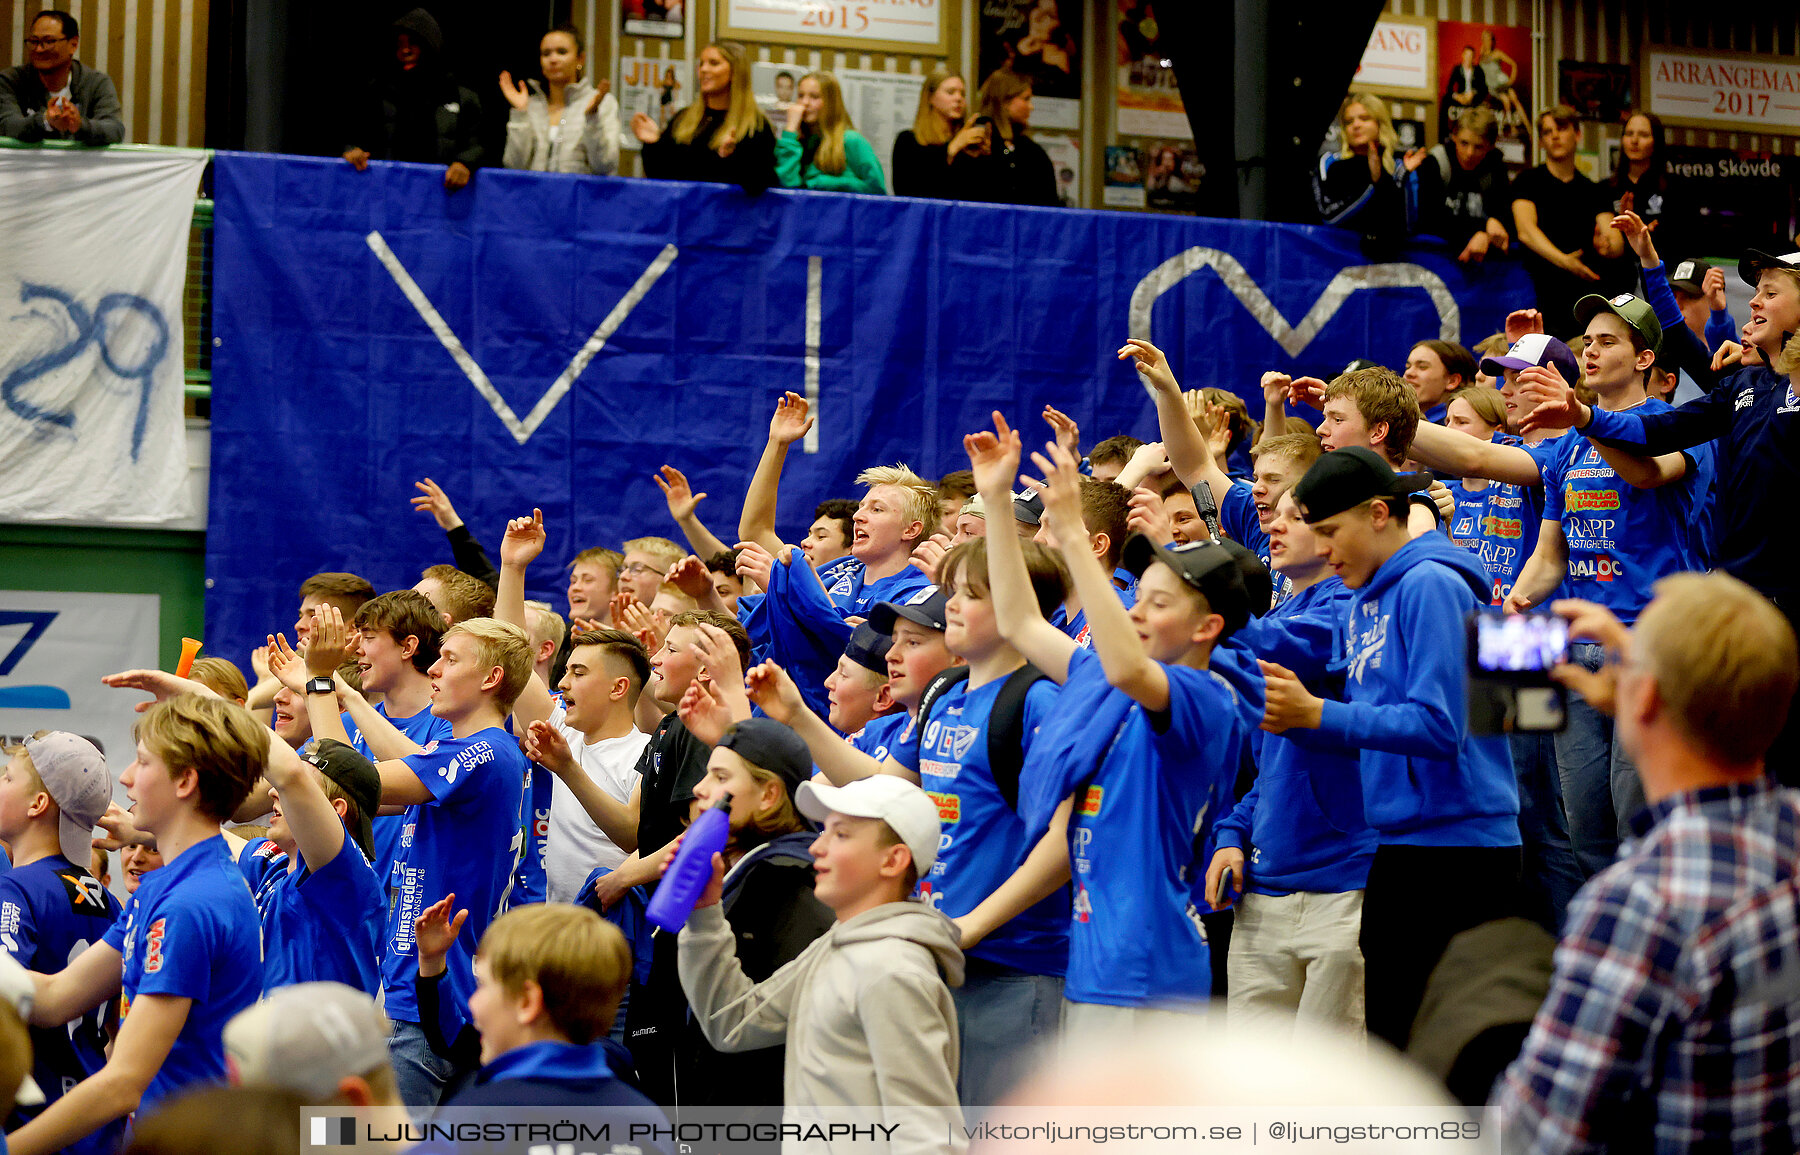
323, 910
1014, 980
54, 790
1443, 801
461, 835
1142, 754
187, 952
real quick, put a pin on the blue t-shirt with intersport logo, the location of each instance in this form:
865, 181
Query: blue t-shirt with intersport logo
465, 841
1510, 518
982, 838
1622, 538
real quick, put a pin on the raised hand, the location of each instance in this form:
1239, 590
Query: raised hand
645, 129
1275, 387
1146, 516
1308, 391
436, 502
704, 712
929, 554
1523, 323
616, 607
1152, 366
1555, 405
159, 684
1440, 496
1728, 354
1214, 422
676, 491
1068, 434
755, 563
515, 92
545, 745
690, 576
718, 655
329, 645
1637, 236
1713, 287
600, 91
524, 540
774, 691
434, 934
791, 420
636, 619
259, 662
1061, 490
285, 665
994, 458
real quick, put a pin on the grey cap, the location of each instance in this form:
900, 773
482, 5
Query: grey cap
73, 772
308, 1037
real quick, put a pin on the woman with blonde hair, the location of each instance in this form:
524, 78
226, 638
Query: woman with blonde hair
722, 136
1360, 187
931, 156
1015, 170
821, 148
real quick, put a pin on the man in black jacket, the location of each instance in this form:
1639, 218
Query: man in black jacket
417, 111
56, 97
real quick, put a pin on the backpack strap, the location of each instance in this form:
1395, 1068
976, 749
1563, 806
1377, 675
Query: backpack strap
1006, 731
934, 689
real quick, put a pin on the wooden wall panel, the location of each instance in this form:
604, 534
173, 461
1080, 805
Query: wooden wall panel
154, 50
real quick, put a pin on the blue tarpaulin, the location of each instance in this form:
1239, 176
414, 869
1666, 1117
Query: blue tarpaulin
334, 392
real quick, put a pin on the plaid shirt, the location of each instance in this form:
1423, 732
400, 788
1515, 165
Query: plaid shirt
1673, 1019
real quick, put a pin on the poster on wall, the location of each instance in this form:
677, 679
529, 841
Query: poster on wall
870, 25
653, 18
881, 104
1172, 178
656, 88
1398, 60
1486, 66
1124, 184
55, 648
1039, 40
1599, 92
1149, 102
1065, 161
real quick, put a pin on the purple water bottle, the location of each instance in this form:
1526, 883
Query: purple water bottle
686, 879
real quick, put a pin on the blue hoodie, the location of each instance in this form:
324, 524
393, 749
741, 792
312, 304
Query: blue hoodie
1301, 825
1426, 780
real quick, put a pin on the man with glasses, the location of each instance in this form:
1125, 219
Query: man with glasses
54, 96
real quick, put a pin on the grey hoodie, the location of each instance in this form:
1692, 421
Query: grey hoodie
864, 1011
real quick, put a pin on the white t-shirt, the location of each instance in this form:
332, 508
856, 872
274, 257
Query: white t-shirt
575, 845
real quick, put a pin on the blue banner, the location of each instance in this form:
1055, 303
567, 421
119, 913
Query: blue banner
549, 340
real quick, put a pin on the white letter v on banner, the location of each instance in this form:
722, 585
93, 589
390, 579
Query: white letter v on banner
521, 430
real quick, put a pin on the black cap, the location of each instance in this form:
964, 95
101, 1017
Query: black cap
927, 608
1208, 566
1690, 276
868, 648
1359, 363
1028, 507
768, 745
356, 776
1754, 261
1345, 478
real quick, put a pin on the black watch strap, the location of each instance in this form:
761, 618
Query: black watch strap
320, 686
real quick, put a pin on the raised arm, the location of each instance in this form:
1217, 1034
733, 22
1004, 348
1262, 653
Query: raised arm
1189, 454
994, 459
1461, 455
1128, 667
772, 689
318, 832
788, 425
682, 504
545, 745
523, 542
1556, 404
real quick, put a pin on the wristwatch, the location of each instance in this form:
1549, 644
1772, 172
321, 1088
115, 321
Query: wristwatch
320, 686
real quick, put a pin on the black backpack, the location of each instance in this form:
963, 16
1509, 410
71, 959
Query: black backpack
1006, 722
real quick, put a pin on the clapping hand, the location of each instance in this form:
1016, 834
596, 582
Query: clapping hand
516, 93
434, 933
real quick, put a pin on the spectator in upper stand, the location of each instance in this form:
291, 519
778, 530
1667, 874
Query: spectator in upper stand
1461, 188
821, 148
1562, 217
1642, 184
541, 133
417, 111
1435, 369
1360, 187
930, 157
1014, 170
57, 97
722, 136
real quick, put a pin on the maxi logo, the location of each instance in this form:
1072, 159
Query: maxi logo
91, 328
1293, 339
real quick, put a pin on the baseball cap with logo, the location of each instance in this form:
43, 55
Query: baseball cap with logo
74, 774
1534, 349
926, 607
1028, 507
1210, 567
1345, 478
907, 810
307, 1037
1634, 311
1754, 262
358, 778
1690, 277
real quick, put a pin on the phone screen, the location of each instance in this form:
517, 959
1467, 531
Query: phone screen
1520, 643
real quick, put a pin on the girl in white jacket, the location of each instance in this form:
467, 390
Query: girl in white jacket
564, 124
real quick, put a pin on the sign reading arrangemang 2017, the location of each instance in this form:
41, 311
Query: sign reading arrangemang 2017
546, 340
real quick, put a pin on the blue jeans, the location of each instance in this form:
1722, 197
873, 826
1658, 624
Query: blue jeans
420, 1073
1600, 787
1001, 1016
1551, 875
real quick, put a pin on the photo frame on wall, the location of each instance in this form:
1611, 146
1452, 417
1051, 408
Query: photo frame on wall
918, 27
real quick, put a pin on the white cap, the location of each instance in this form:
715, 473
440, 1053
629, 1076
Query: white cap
908, 810
74, 774
307, 1037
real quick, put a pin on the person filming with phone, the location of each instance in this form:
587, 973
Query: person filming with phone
1669, 1012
